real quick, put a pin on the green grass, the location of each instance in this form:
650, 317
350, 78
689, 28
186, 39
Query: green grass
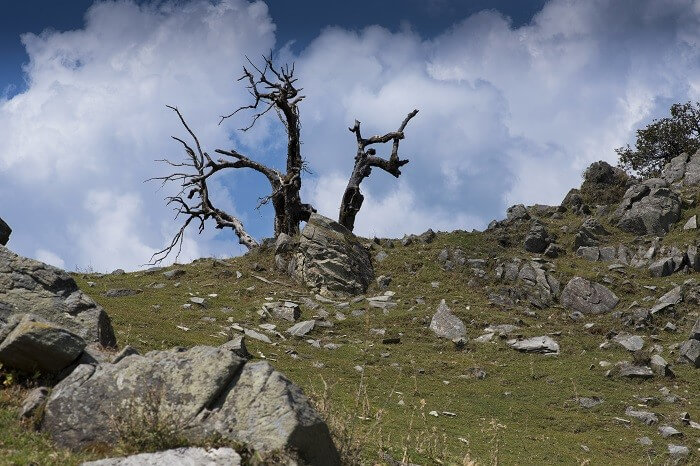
523, 412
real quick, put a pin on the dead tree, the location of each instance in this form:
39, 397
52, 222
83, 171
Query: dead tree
280, 94
365, 159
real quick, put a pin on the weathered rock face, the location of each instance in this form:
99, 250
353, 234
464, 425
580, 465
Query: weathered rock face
537, 239
648, 208
683, 170
203, 391
31, 287
589, 233
330, 258
5, 232
588, 297
28, 343
533, 281
177, 456
447, 325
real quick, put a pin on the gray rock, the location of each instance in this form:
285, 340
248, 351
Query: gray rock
36, 344
383, 281
588, 297
592, 253
589, 233
588, 403
302, 328
121, 292
543, 344
648, 208
553, 251
633, 371
674, 296
662, 267
186, 456
692, 223
660, 366
607, 253
531, 281
695, 331
33, 402
629, 342
257, 336
517, 212
646, 441
669, 431
646, 417
202, 391
128, 350
31, 287
237, 346
678, 453
689, 352
286, 310
537, 239
381, 256
5, 232
683, 170
175, 273
329, 257
446, 325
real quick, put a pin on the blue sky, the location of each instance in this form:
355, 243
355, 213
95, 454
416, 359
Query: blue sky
515, 99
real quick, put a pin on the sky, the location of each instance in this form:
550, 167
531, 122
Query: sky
516, 99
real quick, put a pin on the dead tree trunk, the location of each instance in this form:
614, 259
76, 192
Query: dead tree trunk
277, 93
365, 159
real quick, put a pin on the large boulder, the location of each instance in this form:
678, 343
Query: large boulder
176, 457
537, 239
588, 297
603, 184
447, 325
648, 208
32, 287
531, 281
5, 232
683, 170
201, 392
589, 233
331, 259
29, 343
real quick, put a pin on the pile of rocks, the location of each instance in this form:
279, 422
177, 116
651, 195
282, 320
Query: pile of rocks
533, 281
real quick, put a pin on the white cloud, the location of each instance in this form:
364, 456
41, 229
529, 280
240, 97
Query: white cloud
50, 258
506, 115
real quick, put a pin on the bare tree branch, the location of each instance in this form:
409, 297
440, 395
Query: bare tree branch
365, 159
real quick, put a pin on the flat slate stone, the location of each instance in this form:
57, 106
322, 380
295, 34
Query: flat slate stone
543, 344
302, 328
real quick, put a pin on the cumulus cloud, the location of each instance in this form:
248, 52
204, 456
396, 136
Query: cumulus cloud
506, 115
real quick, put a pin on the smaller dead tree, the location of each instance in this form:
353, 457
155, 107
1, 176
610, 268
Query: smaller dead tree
193, 202
365, 159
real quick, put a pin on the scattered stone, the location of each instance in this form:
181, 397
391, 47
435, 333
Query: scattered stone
554, 250
674, 296
383, 281
30, 343
446, 325
175, 273
695, 332
286, 310
588, 403
588, 297
678, 453
692, 223
121, 292
543, 344
302, 328
668, 431
381, 256
660, 366
633, 371
257, 335
197, 300
589, 233
34, 400
629, 342
646, 441
179, 456
689, 352
647, 417
118, 272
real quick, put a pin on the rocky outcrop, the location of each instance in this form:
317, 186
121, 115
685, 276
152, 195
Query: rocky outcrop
330, 258
589, 233
603, 184
178, 456
201, 392
29, 343
537, 239
649, 207
588, 297
531, 281
5, 232
31, 287
683, 170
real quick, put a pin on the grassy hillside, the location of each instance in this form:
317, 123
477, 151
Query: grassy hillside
378, 397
